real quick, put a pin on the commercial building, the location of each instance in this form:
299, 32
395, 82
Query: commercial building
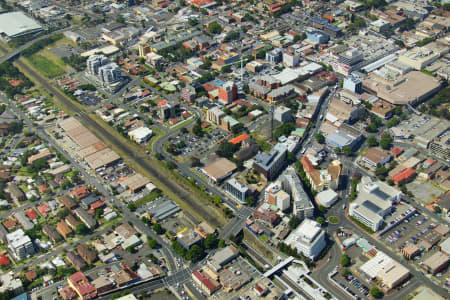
274, 195
140, 134
353, 84
436, 263
81, 285
411, 88
308, 239
290, 59
380, 26
274, 56
327, 198
219, 169
238, 190
385, 269
374, 201
163, 210
282, 114
189, 238
375, 157
227, 92
291, 184
207, 284
346, 135
215, 115
280, 93
20, 244
223, 257
318, 37
420, 57
322, 179
16, 24
270, 164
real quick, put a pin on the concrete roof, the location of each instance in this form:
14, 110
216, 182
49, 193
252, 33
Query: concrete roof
16, 23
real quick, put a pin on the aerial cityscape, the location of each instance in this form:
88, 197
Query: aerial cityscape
224, 149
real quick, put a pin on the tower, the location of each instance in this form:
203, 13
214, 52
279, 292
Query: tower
271, 121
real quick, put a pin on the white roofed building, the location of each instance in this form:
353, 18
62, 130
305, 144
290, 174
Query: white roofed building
140, 134
308, 238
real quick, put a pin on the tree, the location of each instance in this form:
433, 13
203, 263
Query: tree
381, 172
195, 253
345, 260
158, 228
372, 141
386, 141
215, 28
294, 222
250, 200
152, 243
437, 209
226, 69
171, 165
375, 292
320, 138
299, 37
227, 149
81, 229
345, 272
193, 22
197, 129
195, 162
210, 241
347, 150
159, 156
391, 182
320, 220
222, 243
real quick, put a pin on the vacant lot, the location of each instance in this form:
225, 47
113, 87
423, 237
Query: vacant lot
47, 67
424, 192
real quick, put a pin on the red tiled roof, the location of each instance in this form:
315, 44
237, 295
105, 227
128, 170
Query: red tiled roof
209, 87
43, 209
404, 175
4, 260
430, 161
82, 285
145, 93
10, 223
32, 214
162, 102
208, 284
397, 151
97, 204
307, 165
43, 188
15, 83
238, 139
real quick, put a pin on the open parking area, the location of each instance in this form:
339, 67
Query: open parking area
187, 145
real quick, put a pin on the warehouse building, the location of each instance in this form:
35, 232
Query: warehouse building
16, 24
385, 269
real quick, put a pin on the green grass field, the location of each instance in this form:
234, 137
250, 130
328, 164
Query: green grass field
46, 66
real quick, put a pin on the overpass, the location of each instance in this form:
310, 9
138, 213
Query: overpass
16, 52
279, 266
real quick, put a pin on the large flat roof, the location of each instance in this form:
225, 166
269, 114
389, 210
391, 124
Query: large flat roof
15, 24
220, 168
406, 89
